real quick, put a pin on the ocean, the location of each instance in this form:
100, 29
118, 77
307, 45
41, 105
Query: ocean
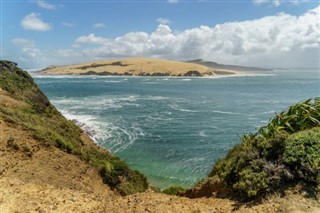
173, 129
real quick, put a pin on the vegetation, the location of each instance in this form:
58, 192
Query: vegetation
286, 151
50, 128
174, 190
94, 65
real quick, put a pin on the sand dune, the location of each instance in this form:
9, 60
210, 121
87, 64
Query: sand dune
136, 67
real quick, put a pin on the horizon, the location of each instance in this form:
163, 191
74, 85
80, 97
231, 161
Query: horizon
30, 70
258, 33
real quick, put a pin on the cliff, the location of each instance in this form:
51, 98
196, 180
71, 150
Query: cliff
24, 108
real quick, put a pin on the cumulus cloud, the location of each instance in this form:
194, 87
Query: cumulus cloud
22, 42
163, 21
45, 5
172, 1
277, 3
33, 22
91, 39
28, 47
281, 40
99, 25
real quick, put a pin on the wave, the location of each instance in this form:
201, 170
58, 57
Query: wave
155, 98
202, 133
96, 103
120, 137
111, 135
268, 112
87, 123
177, 108
113, 81
227, 112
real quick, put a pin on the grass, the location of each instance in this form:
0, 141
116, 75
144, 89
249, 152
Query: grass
174, 190
50, 128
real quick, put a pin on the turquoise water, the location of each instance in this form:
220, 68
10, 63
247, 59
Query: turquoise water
174, 129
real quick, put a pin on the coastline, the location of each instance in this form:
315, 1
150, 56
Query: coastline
234, 74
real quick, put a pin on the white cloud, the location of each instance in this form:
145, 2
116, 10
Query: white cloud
163, 21
172, 1
260, 1
67, 24
91, 39
33, 22
99, 25
45, 5
281, 40
277, 3
22, 42
28, 47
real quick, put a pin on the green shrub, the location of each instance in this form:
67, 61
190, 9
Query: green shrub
67, 147
285, 151
302, 155
174, 190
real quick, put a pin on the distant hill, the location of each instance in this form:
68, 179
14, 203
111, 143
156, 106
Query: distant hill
214, 65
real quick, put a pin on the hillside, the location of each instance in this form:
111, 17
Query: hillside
284, 153
216, 66
136, 67
48, 164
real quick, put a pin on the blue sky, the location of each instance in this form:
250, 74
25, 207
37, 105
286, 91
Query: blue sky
268, 33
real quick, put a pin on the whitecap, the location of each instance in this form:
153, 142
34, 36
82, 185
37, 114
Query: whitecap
177, 108
87, 123
112, 81
227, 112
202, 133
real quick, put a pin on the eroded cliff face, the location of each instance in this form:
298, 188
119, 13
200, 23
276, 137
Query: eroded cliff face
25, 107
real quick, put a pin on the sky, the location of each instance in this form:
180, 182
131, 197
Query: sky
263, 33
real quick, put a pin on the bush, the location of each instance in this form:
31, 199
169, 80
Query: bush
302, 155
174, 190
285, 151
67, 147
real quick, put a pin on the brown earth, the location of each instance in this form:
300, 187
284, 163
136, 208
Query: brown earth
35, 177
